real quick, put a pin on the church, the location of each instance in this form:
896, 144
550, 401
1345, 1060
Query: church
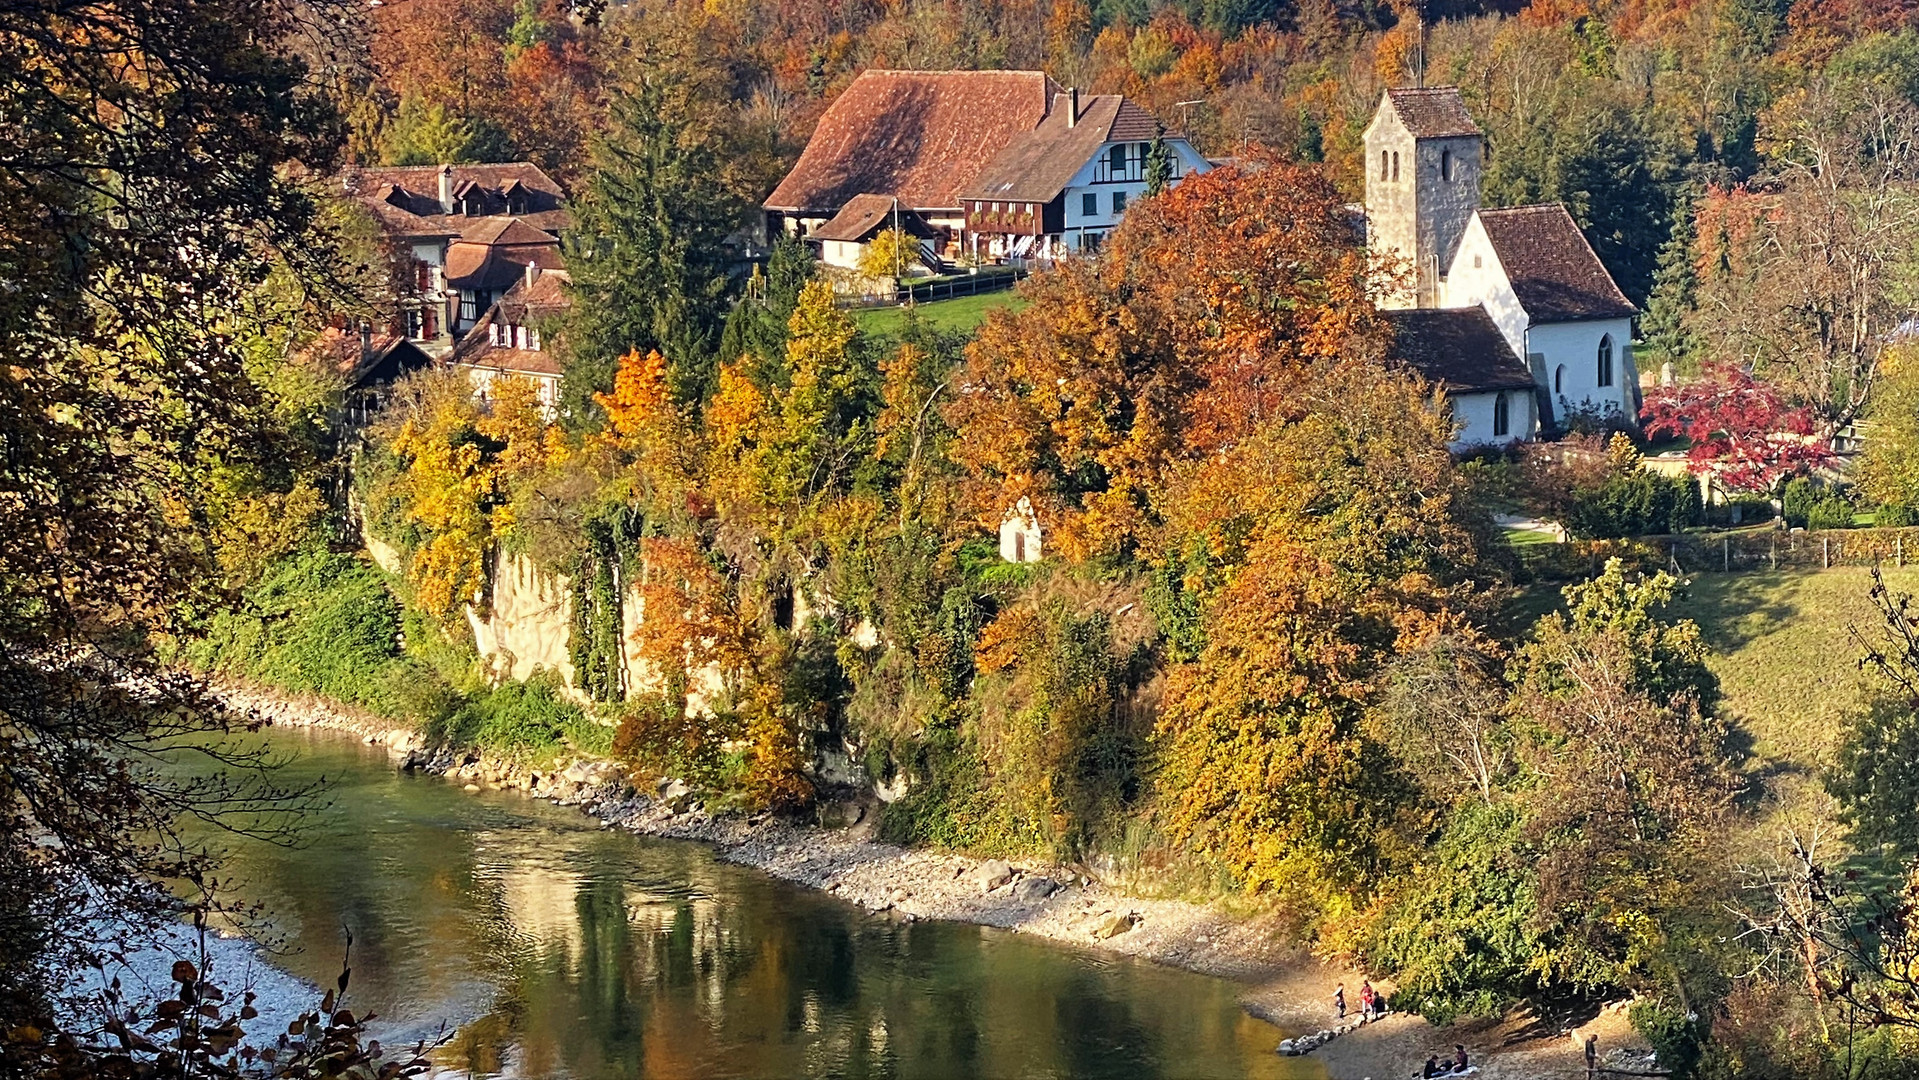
1510, 311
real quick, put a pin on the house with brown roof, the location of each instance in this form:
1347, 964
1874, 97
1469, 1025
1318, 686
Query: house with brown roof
918, 137
465, 232
513, 337
1463, 353
1528, 269
1064, 185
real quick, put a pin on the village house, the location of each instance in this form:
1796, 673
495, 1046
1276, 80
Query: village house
465, 233
1528, 271
509, 338
995, 164
915, 138
1064, 185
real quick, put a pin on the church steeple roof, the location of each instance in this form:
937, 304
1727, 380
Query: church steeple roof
1434, 112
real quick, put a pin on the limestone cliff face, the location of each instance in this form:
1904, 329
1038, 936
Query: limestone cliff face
529, 624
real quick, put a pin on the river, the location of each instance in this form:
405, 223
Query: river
555, 948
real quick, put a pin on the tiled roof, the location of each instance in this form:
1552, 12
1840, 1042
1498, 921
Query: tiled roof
1461, 349
519, 305
405, 199
1037, 165
863, 214
1553, 270
919, 135
1433, 112
497, 252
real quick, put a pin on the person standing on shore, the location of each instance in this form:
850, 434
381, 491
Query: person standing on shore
1367, 1000
1339, 1000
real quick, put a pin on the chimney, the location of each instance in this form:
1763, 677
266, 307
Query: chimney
1072, 107
532, 273
366, 339
446, 189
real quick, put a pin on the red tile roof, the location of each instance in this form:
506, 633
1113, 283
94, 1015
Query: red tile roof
919, 135
1554, 271
1461, 349
1434, 112
519, 305
863, 215
405, 199
1037, 165
496, 252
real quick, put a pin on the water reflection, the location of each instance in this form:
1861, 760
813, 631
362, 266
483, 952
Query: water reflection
561, 950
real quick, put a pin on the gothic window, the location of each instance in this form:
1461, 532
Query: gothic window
1559, 380
1502, 418
1605, 361
1395, 166
1446, 165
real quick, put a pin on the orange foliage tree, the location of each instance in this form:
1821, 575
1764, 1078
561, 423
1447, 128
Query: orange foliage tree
1341, 538
1213, 301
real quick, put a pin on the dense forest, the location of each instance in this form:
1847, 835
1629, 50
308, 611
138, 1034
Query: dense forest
1270, 655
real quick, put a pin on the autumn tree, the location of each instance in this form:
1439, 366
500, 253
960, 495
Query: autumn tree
1210, 306
1346, 541
149, 190
1888, 469
1741, 431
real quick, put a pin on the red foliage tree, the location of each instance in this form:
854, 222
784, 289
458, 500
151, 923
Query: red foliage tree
1741, 430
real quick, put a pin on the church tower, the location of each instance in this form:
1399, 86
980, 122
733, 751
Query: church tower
1423, 159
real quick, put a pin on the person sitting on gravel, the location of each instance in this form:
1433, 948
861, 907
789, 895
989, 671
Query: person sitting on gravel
1432, 1067
1459, 1058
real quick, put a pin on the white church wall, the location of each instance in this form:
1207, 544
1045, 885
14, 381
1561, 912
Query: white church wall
1569, 355
1474, 415
1478, 277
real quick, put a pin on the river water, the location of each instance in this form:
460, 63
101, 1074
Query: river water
554, 948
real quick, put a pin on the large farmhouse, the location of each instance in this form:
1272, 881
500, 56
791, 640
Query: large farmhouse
1526, 271
972, 163
467, 233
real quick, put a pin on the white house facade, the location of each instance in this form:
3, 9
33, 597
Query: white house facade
1063, 186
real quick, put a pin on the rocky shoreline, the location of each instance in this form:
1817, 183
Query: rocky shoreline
1285, 986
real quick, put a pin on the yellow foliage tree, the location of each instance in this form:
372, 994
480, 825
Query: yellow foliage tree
888, 255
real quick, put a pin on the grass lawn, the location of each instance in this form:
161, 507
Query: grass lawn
1783, 648
961, 314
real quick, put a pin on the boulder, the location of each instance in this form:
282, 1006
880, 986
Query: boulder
900, 896
1031, 890
1113, 924
991, 874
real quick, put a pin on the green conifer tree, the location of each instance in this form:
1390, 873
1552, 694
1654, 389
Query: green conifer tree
1665, 337
1159, 162
645, 254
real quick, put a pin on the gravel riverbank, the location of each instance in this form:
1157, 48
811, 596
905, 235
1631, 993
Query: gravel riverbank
1285, 985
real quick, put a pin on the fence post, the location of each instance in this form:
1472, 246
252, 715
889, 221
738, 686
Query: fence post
1773, 553
1725, 554
1825, 552
1899, 550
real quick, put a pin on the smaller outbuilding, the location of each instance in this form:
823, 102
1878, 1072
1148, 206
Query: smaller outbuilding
843, 239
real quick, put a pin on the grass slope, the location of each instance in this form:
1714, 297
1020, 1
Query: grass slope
1783, 647
962, 314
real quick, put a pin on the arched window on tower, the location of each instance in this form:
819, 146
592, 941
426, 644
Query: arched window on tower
1605, 361
1395, 166
1384, 160
1502, 415
1446, 165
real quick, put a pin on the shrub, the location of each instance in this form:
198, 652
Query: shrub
1834, 511
1896, 516
1636, 503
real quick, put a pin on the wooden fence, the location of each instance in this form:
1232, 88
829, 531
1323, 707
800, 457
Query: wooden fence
1734, 551
941, 288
